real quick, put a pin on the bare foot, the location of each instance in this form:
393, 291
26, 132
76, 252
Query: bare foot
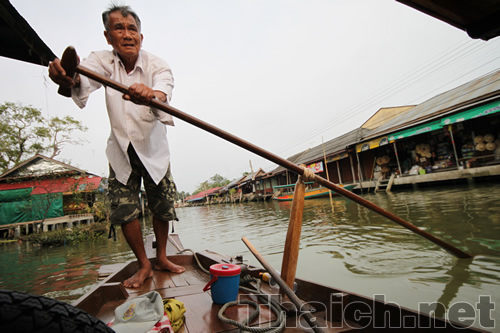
136, 280
167, 265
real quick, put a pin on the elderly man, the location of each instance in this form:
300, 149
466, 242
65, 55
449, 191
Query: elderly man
137, 147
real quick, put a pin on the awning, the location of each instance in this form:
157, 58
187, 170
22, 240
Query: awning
337, 157
480, 111
429, 127
196, 199
375, 143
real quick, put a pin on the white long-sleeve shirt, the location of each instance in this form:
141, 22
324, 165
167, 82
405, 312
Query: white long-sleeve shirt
143, 126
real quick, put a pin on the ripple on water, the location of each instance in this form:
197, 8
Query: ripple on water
351, 247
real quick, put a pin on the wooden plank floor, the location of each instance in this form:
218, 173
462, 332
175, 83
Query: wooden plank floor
201, 313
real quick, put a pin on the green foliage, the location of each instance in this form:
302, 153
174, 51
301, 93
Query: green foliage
181, 195
60, 133
20, 134
24, 132
74, 235
214, 181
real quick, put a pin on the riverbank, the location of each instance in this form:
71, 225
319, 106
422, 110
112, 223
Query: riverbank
445, 177
82, 233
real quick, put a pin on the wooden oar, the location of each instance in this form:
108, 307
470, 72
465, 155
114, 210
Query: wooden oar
273, 158
292, 241
311, 320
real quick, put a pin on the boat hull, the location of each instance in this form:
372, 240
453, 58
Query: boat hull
315, 193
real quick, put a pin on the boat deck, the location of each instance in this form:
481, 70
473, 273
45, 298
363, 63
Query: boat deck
201, 313
335, 310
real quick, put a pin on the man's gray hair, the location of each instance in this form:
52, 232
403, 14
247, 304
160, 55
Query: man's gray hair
124, 10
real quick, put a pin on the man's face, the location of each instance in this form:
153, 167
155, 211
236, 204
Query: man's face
124, 35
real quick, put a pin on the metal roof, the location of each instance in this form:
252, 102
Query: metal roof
331, 148
56, 185
472, 93
479, 18
203, 194
38, 166
19, 40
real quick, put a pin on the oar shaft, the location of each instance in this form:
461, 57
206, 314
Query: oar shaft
276, 159
311, 320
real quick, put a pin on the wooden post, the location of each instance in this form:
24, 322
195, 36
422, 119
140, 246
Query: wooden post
352, 169
360, 175
338, 172
327, 176
450, 129
397, 159
391, 181
292, 242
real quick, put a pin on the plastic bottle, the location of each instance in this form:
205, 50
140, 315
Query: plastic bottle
272, 283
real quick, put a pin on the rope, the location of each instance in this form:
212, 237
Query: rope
308, 175
197, 260
277, 326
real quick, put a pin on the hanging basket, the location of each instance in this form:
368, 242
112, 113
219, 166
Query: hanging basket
489, 138
479, 139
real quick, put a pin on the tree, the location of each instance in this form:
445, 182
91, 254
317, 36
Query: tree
24, 132
182, 195
214, 181
59, 133
19, 131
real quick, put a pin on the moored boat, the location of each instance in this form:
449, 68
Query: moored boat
287, 191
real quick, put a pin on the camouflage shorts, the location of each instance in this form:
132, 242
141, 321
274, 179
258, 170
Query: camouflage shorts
125, 204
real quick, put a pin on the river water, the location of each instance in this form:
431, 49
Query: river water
342, 245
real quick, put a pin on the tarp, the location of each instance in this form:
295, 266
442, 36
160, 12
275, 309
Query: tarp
480, 111
417, 130
21, 206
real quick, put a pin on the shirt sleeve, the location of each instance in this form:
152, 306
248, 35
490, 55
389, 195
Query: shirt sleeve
163, 80
80, 94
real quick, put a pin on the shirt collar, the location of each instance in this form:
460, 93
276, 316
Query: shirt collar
138, 63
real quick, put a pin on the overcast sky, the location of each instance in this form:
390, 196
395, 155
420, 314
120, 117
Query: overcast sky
282, 74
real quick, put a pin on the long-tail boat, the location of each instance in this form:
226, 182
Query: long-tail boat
331, 309
285, 192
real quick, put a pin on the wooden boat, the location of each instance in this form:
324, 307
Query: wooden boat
311, 193
335, 310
